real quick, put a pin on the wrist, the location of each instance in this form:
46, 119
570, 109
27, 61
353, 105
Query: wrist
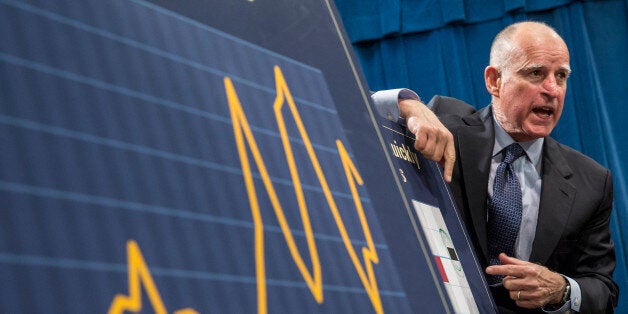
409, 104
564, 293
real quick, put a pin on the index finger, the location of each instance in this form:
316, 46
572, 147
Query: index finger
449, 158
505, 270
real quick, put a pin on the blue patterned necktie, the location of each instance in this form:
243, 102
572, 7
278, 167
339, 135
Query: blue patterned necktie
504, 209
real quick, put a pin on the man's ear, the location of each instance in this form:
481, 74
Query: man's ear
493, 80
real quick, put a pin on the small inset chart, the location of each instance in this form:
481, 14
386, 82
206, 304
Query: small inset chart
446, 258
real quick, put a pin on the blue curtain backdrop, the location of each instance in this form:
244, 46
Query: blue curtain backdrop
442, 47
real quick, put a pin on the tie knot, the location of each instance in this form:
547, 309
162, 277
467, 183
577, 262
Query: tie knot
513, 151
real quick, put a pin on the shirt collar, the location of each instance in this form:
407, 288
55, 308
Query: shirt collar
532, 148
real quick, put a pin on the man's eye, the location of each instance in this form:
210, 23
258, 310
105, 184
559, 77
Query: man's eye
535, 75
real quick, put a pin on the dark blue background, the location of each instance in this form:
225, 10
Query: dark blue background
114, 125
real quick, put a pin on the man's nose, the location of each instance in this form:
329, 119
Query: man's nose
550, 86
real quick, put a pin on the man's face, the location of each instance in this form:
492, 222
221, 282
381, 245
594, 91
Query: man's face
532, 87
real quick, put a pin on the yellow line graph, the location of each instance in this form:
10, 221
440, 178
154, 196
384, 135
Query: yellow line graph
313, 278
138, 276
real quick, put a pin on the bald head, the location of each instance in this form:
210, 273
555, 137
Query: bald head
506, 45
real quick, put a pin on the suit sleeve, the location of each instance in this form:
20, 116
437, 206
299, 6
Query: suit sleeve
596, 259
386, 104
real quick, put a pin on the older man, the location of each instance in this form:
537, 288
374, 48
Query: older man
537, 211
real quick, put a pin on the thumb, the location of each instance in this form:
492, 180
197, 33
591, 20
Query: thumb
413, 124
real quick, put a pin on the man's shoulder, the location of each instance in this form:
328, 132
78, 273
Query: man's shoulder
455, 113
578, 162
443, 105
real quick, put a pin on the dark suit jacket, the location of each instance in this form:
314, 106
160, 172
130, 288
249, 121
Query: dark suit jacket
572, 235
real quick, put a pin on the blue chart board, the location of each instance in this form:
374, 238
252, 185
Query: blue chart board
433, 212
206, 157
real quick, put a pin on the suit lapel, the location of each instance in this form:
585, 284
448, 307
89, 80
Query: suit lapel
476, 140
557, 196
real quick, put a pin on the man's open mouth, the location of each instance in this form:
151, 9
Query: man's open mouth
544, 112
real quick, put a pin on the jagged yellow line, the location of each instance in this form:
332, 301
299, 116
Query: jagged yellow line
238, 118
243, 132
370, 255
283, 95
138, 276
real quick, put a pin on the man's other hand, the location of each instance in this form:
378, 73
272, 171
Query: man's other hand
530, 285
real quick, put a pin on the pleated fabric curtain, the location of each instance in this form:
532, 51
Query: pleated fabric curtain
442, 47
